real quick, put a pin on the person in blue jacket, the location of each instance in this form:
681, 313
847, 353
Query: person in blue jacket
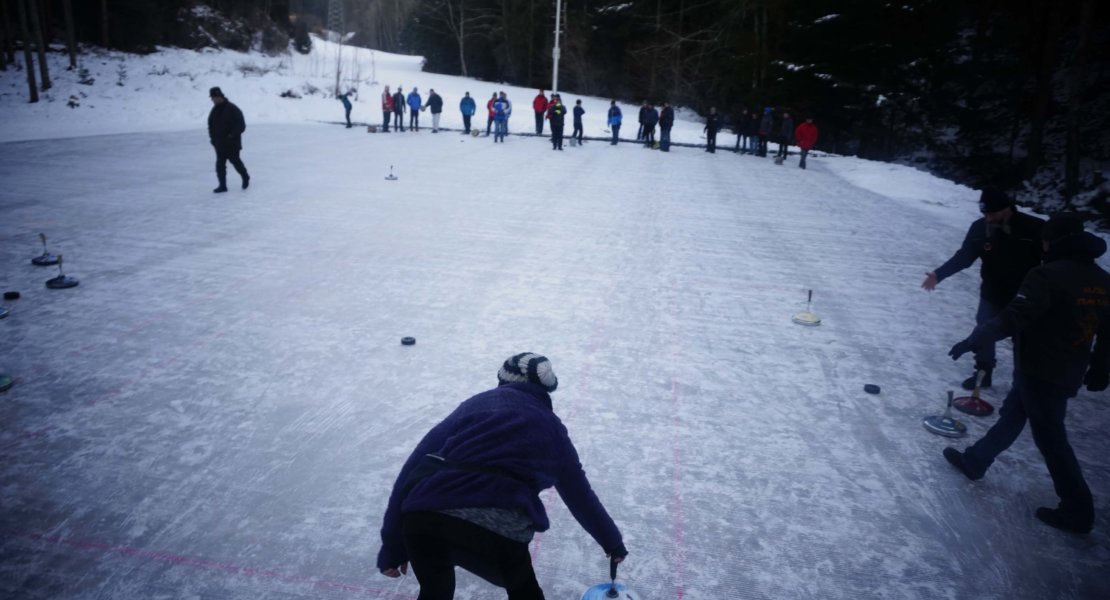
468, 495
414, 102
614, 120
467, 107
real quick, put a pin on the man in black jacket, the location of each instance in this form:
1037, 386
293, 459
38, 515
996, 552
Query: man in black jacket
666, 121
712, 124
225, 130
1008, 244
1062, 307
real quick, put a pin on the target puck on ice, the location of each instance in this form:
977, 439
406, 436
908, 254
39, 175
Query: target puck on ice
5, 383
871, 388
61, 282
973, 405
408, 341
11, 295
3, 312
945, 425
806, 318
45, 260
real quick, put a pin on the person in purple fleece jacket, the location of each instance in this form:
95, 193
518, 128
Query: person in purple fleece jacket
468, 495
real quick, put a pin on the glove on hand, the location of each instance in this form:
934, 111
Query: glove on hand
961, 348
1096, 380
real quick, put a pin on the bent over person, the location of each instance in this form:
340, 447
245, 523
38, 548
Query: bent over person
468, 495
225, 131
1063, 307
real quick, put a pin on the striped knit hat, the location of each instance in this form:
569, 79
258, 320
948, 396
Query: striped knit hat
530, 368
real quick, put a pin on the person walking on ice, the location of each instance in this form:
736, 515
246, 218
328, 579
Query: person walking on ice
225, 130
469, 494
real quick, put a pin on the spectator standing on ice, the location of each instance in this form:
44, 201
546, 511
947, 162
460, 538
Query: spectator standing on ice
806, 136
467, 108
786, 136
651, 118
414, 101
225, 130
1062, 307
399, 110
754, 119
387, 109
642, 119
743, 142
469, 494
508, 110
1007, 243
346, 107
556, 113
766, 124
666, 121
539, 106
614, 121
489, 108
578, 112
500, 119
435, 104
712, 124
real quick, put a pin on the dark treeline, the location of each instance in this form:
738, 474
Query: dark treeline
989, 92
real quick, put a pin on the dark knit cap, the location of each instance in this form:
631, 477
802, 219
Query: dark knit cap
1061, 225
994, 200
215, 93
530, 368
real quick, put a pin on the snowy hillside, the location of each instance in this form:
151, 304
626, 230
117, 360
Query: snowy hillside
220, 407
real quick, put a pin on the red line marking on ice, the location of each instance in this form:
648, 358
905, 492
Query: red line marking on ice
203, 563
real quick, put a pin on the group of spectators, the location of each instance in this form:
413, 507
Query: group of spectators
754, 129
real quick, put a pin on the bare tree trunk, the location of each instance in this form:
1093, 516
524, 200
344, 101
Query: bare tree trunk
1050, 22
27, 56
531, 39
104, 41
1076, 79
71, 37
5, 36
36, 31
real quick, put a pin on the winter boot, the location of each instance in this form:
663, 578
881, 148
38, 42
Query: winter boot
969, 383
1057, 518
246, 181
956, 459
220, 190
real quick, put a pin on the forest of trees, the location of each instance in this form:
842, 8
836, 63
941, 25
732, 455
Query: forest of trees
988, 92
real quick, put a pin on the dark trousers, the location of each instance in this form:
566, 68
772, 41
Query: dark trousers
399, 121
665, 139
783, 150
385, 121
762, 149
984, 356
437, 543
466, 123
711, 141
649, 136
348, 116
489, 124
616, 132
1044, 405
640, 132
802, 161
577, 133
539, 123
225, 155
556, 137
414, 120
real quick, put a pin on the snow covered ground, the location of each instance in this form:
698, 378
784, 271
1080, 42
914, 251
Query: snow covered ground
220, 408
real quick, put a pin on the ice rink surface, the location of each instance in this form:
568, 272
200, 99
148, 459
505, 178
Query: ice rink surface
220, 408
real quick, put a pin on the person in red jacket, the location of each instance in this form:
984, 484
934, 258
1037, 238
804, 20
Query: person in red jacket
492, 113
806, 136
539, 105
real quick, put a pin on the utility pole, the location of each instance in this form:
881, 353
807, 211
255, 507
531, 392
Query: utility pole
555, 51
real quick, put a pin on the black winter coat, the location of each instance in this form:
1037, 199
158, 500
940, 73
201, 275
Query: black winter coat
399, 102
1063, 306
651, 118
712, 123
435, 102
226, 126
666, 118
1006, 257
556, 113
